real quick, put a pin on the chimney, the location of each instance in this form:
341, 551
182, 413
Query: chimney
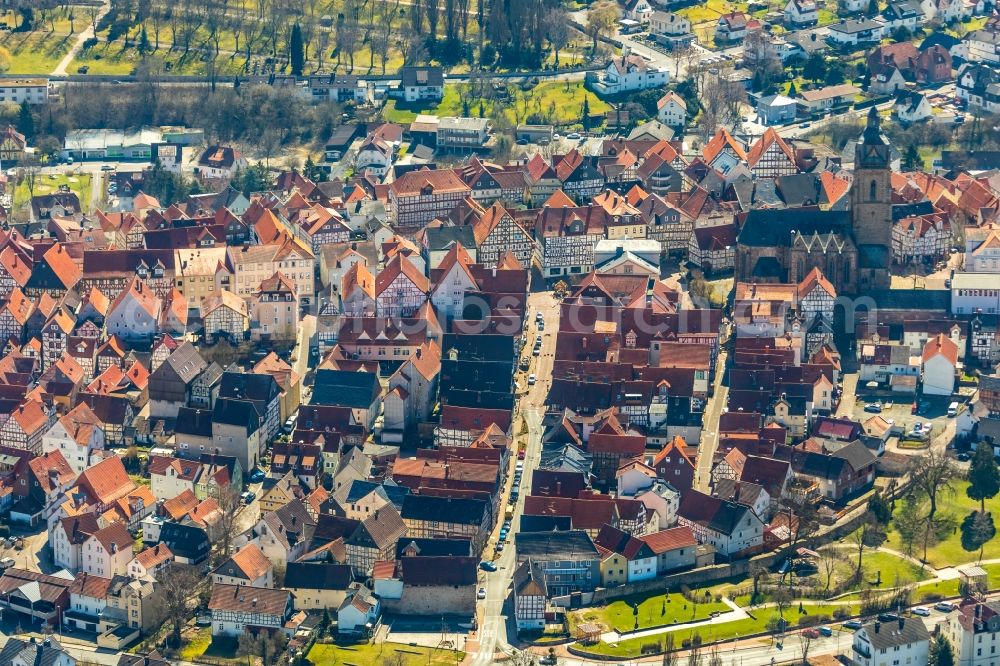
902, 621
877, 625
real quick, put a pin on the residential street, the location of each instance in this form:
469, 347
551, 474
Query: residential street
710, 428
496, 617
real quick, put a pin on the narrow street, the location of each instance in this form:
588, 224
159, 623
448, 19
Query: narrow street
496, 620
710, 427
88, 33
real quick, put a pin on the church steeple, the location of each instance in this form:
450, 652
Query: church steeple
872, 150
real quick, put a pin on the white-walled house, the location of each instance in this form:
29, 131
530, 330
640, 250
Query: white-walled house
671, 110
895, 643
728, 526
940, 363
76, 435
235, 609
801, 13
107, 552
626, 73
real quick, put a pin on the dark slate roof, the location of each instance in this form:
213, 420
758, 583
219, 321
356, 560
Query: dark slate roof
939, 39
229, 411
191, 421
890, 634
40, 653
571, 545
899, 211
545, 523
435, 547
800, 189
451, 571
912, 299
443, 238
772, 228
461, 511
249, 386
186, 541
479, 347
345, 389
722, 516
360, 489
318, 576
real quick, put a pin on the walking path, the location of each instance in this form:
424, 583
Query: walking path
89, 33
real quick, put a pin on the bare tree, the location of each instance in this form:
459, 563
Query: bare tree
557, 30
931, 474
28, 172
228, 499
177, 585
805, 640
714, 658
694, 654
868, 535
828, 561
668, 651
601, 19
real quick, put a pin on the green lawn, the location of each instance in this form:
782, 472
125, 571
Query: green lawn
950, 552
558, 102
79, 183
201, 644
325, 653
654, 611
631, 648
35, 52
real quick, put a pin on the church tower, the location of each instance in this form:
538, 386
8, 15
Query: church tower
871, 191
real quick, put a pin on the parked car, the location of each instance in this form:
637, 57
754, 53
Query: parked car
481, 594
852, 624
887, 617
825, 631
874, 407
7, 563
520, 454
944, 606
963, 457
810, 633
487, 566
531, 380
922, 611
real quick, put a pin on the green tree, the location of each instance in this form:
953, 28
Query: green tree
25, 121
835, 73
977, 529
143, 42
941, 652
586, 113
911, 158
872, 8
815, 67
296, 51
466, 109
983, 476
792, 91
909, 524
880, 508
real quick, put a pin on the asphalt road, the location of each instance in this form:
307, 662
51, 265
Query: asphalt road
496, 617
710, 427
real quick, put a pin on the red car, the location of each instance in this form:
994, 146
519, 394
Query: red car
913, 408
520, 454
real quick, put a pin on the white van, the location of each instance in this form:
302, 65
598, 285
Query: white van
953, 409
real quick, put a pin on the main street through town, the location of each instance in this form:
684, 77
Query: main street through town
496, 624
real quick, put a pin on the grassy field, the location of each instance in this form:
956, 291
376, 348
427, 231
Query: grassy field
631, 648
46, 185
950, 552
560, 103
200, 644
324, 653
654, 611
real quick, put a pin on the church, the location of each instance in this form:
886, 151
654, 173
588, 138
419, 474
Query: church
852, 248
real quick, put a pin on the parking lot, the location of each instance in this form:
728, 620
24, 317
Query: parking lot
932, 413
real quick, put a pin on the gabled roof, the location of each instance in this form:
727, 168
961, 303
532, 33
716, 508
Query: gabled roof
400, 265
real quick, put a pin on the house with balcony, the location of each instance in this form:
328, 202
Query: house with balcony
627, 73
